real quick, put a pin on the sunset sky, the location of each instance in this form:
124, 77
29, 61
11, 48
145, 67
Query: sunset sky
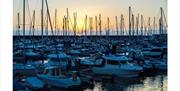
107, 8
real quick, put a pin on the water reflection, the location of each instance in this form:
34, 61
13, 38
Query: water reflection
147, 83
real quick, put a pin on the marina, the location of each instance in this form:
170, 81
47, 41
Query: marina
103, 54
91, 62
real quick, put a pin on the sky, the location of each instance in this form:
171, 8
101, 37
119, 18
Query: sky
91, 8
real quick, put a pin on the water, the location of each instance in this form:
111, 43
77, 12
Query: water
146, 83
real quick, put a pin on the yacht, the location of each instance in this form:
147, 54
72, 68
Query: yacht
118, 65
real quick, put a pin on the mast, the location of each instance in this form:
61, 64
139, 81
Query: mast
108, 29
122, 25
47, 24
90, 24
137, 24
129, 21
75, 23
154, 25
85, 31
49, 17
63, 27
133, 24
67, 22
24, 21
96, 25
18, 27
100, 25
161, 22
55, 21
149, 26
33, 27
42, 14
117, 31
141, 24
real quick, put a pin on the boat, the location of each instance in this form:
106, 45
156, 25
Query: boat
34, 83
118, 65
59, 59
57, 77
152, 64
25, 69
155, 52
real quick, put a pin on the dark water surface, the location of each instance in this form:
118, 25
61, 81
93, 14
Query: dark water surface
146, 83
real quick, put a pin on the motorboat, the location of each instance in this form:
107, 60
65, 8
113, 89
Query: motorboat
57, 77
59, 59
151, 64
153, 52
24, 68
118, 65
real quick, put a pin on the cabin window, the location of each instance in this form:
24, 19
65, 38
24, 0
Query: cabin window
112, 62
123, 62
53, 72
156, 50
57, 71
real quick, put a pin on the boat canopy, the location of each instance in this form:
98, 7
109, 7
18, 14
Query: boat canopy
116, 58
59, 55
75, 52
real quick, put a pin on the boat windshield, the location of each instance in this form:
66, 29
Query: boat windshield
156, 50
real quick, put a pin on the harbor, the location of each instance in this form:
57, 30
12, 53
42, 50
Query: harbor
85, 56
126, 53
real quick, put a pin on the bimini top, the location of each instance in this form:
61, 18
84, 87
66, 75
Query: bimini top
59, 55
116, 58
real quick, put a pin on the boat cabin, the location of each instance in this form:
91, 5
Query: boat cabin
116, 60
58, 57
54, 71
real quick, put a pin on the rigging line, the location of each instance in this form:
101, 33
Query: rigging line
49, 18
83, 27
51, 26
18, 26
70, 23
46, 23
165, 19
29, 17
